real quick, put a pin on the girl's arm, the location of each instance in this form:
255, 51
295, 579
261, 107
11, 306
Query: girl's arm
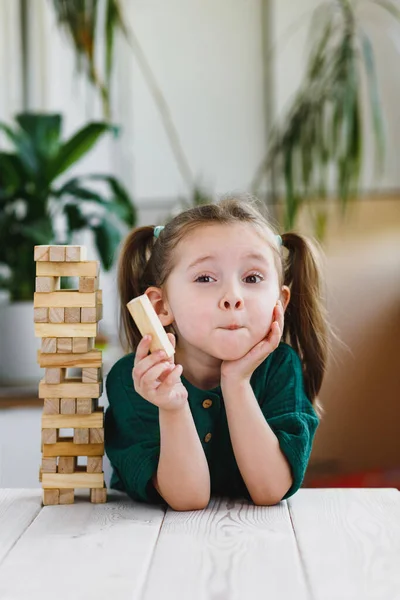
182, 477
262, 464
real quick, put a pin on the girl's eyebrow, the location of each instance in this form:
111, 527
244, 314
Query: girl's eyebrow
254, 255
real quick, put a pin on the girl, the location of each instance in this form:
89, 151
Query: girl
234, 412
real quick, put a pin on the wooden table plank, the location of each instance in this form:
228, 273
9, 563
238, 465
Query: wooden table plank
231, 550
18, 508
83, 550
349, 541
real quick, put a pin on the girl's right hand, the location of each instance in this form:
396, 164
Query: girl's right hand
156, 378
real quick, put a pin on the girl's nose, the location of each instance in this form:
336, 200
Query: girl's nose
231, 301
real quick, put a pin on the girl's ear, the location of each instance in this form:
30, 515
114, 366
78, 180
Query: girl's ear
160, 305
285, 296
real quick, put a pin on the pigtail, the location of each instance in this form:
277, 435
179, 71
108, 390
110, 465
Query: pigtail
132, 282
306, 326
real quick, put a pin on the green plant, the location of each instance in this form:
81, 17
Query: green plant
81, 21
32, 205
321, 138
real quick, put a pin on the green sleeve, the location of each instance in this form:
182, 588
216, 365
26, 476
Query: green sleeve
132, 436
290, 413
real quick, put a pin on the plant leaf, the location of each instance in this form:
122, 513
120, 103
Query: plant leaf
107, 238
77, 146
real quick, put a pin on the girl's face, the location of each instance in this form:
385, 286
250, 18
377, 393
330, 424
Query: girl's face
222, 291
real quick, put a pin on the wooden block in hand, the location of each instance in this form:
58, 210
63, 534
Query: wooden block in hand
75, 253
147, 322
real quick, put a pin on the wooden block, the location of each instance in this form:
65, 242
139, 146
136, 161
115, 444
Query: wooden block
90, 375
99, 296
94, 464
64, 346
41, 315
89, 315
93, 358
85, 406
55, 375
75, 253
49, 465
74, 330
51, 497
41, 253
47, 284
67, 496
96, 435
64, 298
56, 315
48, 345
99, 312
72, 480
95, 419
89, 268
148, 322
70, 448
70, 388
49, 436
98, 496
51, 406
81, 436
81, 345
73, 314
68, 406
57, 253
88, 284
66, 464
40, 474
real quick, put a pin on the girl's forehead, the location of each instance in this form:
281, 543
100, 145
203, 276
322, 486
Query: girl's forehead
225, 239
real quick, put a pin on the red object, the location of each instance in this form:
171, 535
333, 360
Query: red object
368, 479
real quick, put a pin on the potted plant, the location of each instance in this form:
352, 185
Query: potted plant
33, 205
319, 144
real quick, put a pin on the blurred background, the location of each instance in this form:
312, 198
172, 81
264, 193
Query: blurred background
115, 114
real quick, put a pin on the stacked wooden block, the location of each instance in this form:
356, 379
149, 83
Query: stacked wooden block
67, 321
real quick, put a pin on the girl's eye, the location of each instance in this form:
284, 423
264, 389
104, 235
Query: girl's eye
253, 276
203, 277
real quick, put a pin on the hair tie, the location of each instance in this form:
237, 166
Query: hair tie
157, 230
278, 240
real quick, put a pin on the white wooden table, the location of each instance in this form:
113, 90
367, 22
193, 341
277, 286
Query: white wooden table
327, 544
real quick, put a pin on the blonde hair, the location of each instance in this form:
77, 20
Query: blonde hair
147, 261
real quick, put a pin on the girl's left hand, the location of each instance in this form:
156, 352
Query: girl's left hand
241, 370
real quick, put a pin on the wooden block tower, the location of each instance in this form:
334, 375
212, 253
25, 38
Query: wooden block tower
67, 321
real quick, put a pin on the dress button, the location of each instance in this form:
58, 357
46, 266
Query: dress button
208, 437
207, 403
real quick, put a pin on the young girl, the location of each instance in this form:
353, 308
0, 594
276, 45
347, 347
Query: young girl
234, 411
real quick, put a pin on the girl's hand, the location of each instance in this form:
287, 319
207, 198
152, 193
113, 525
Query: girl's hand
156, 378
241, 370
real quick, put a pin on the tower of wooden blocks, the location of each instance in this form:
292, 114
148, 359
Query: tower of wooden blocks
67, 321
